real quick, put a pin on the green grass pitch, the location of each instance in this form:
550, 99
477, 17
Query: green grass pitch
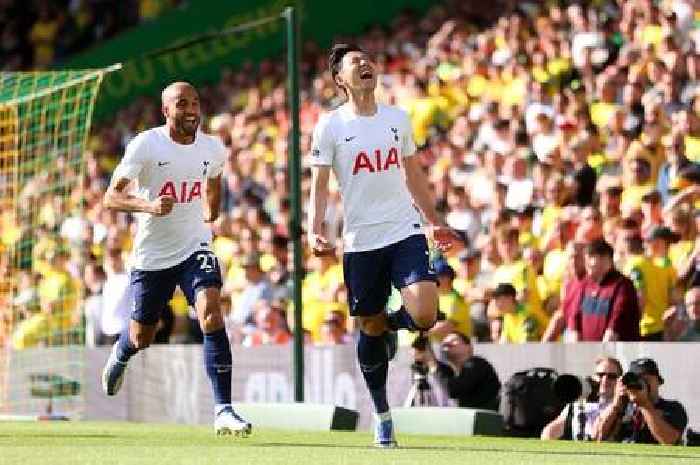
78, 443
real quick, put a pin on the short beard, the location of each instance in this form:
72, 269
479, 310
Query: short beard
182, 128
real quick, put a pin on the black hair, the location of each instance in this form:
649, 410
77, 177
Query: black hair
335, 57
600, 248
505, 290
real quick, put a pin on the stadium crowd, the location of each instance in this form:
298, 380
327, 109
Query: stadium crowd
562, 141
38, 33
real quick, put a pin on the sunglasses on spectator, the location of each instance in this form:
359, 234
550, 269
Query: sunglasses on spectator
603, 374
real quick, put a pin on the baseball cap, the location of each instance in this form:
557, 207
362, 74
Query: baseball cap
504, 289
646, 365
662, 232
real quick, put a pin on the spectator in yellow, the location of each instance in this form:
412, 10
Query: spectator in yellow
522, 219
520, 323
468, 268
682, 225
555, 195
43, 36
515, 270
556, 260
58, 294
650, 147
320, 288
659, 240
653, 293
689, 125
639, 184
450, 304
603, 109
223, 244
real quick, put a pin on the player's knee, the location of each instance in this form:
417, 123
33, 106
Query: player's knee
210, 319
372, 326
425, 321
211, 323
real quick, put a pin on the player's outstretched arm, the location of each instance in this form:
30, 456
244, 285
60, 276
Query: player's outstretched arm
420, 191
213, 199
319, 199
117, 198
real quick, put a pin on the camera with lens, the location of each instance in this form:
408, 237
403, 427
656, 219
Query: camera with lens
419, 368
632, 380
571, 388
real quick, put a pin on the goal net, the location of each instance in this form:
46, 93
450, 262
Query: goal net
44, 124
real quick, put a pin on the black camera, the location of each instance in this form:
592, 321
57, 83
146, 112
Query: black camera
419, 369
692, 438
570, 388
632, 380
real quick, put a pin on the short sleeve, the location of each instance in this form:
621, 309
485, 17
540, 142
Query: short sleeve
219, 152
323, 143
408, 146
674, 414
637, 278
134, 159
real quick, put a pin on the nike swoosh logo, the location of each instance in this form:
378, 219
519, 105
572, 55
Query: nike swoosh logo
163, 163
348, 139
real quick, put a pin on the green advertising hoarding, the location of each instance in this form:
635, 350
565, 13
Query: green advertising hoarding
321, 20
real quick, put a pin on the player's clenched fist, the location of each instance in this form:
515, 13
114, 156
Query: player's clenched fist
320, 245
444, 237
162, 205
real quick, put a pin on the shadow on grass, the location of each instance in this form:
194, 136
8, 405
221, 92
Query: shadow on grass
485, 449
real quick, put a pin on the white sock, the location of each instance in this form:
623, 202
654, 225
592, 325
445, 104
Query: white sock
383, 416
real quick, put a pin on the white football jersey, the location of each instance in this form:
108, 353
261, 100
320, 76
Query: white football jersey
367, 155
161, 166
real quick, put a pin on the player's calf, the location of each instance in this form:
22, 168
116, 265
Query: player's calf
113, 372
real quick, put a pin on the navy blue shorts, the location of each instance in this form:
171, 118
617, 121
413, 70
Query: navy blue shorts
369, 275
154, 289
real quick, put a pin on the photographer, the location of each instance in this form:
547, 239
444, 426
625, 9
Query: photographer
637, 413
470, 380
570, 424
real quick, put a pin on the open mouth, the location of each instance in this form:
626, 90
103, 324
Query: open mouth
191, 120
366, 74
